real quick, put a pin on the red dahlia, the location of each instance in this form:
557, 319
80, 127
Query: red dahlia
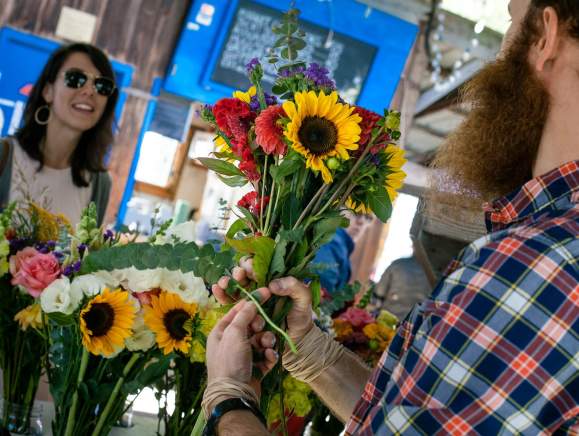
252, 202
268, 131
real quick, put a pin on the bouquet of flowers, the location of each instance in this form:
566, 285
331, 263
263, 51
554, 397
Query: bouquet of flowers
307, 156
119, 316
29, 261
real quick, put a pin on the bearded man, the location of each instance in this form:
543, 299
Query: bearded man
495, 350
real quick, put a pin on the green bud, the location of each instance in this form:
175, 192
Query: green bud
373, 345
333, 163
393, 120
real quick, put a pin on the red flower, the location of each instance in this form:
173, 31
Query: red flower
269, 134
248, 166
369, 120
234, 117
359, 318
252, 202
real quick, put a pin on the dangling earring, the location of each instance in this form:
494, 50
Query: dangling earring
37, 113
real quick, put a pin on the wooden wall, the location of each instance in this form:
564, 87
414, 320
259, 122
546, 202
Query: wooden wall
142, 33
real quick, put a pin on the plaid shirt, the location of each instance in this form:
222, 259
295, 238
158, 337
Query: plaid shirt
495, 350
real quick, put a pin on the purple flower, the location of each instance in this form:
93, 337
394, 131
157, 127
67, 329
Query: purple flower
81, 249
68, 270
252, 65
108, 235
17, 244
51, 245
270, 100
319, 75
76, 266
290, 72
41, 248
58, 254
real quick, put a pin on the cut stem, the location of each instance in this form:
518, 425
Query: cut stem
72, 412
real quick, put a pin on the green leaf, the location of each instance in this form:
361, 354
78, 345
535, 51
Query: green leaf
220, 167
261, 248
290, 211
325, 229
316, 288
287, 167
234, 181
61, 318
238, 226
380, 203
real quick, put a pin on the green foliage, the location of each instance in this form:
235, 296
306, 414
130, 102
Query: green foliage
261, 248
380, 203
187, 257
340, 298
316, 289
221, 167
284, 237
365, 300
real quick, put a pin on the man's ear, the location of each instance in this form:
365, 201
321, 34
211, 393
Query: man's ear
548, 44
48, 92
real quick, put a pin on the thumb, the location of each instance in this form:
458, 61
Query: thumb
293, 288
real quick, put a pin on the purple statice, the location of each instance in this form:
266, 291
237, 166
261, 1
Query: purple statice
270, 100
290, 72
41, 248
252, 65
59, 255
319, 75
108, 235
72, 268
81, 249
17, 244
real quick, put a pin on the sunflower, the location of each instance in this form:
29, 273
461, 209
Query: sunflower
106, 321
169, 318
391, 159
320, 128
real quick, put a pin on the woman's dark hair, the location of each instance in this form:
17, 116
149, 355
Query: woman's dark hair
92, 147
567, 11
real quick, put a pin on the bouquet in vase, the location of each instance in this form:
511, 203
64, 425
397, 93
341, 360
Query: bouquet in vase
119, 317
29, 261
307, 156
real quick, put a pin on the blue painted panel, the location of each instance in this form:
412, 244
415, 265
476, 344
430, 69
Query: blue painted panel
22, 58
193, 72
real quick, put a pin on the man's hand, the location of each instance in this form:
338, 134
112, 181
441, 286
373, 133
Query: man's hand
229, 346
299, 320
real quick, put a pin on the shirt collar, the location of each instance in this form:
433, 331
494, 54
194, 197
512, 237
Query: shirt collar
534, 196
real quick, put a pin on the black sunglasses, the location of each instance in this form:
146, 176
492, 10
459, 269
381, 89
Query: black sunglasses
76, 79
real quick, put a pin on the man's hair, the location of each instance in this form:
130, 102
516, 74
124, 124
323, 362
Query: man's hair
567, 11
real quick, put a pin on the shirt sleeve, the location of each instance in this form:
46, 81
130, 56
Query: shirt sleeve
493, 352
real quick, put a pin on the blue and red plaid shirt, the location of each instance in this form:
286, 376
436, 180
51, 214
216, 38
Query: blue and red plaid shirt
495, 350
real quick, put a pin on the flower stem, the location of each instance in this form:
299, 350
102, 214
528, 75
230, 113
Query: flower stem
72, 412
262, 195
268, 320
305, 212
114, 394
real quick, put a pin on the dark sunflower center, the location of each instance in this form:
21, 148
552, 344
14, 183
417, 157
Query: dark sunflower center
318, 135
99, 319
174, 321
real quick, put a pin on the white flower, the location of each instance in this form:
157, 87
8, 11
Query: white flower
139, 280
190, 288
89, 284
184, 232
112, 279
142, 338
60, 297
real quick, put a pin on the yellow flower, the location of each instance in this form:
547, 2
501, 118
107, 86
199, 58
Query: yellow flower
30, 316
48, 225
396, 176
209, 318
343, 329
245, 96
357, 207
197, 352
321, 128
221, 145
106, 321
170, 319
379, 333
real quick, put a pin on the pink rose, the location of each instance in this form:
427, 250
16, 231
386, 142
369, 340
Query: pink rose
359, 318
33, 270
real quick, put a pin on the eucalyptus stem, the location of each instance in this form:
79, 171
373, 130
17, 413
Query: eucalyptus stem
268, 319
72, 412
114, 394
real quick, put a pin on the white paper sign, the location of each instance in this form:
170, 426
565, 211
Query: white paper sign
75, 25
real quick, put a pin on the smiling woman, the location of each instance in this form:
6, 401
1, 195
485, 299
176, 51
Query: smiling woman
57, 158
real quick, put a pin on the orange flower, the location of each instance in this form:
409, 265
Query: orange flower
343, 329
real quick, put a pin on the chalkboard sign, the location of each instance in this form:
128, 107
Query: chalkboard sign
347, 59
172, 119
